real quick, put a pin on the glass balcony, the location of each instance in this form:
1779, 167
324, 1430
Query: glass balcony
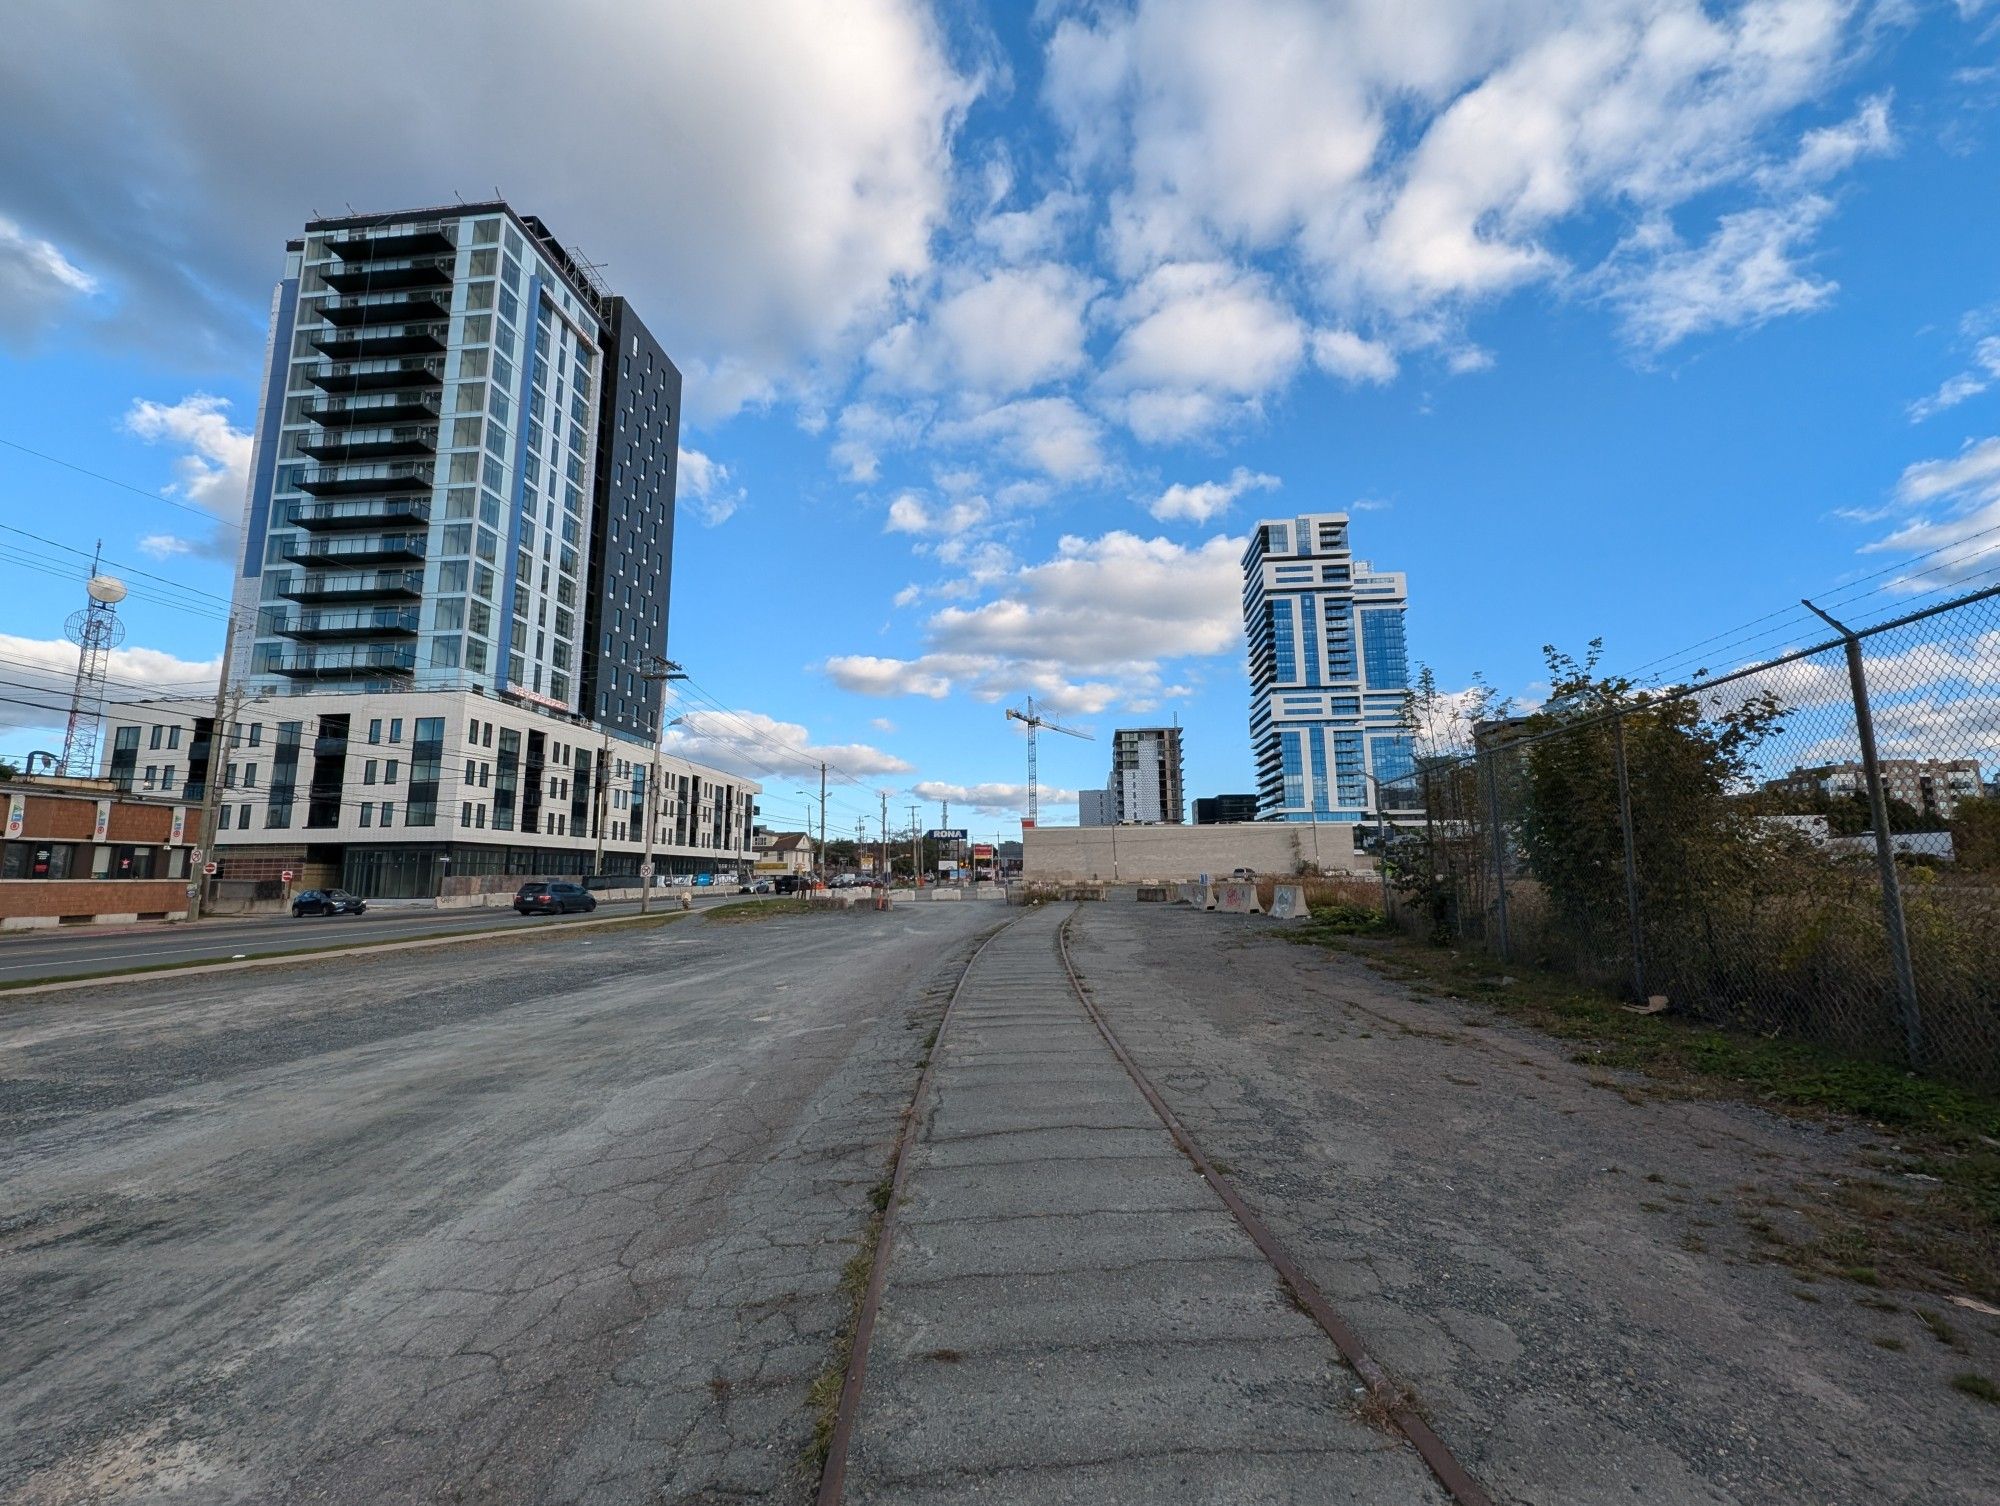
364, 585
337, 663
377, 549
408, 306
390, 275
374, 376
359, 512
421, 238
372, 444
404, 476
380, 340
375, 408
363, 622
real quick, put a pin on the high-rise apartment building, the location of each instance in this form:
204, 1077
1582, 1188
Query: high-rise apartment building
1329, 673
1145, 787
430, 487
460, 523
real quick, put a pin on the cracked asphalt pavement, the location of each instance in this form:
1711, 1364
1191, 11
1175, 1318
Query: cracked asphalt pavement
554, 1219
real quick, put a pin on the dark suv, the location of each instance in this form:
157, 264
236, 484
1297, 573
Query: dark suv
553, 899
326, 902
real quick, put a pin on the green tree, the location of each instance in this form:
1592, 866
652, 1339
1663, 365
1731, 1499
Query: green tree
1694, 839
8, 771
1975, 836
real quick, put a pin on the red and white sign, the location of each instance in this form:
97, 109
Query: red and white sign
103, 826
17, 816
178, 832
211, 869
286, 876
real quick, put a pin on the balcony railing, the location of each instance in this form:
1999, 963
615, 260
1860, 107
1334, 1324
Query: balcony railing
376, 408
375, 549
329, 663
406, 306
381, 340
360, 585
339, 445
390, 274
418, 238
379, 623
358, 512
404, 476
375, 375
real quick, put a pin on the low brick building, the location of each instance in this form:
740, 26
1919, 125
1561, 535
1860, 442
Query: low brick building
78, 851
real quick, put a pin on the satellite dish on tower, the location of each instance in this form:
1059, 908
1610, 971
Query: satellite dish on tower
108, 589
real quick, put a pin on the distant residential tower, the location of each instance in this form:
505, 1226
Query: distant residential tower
1329, 673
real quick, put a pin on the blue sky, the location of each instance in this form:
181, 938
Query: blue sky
1000, 324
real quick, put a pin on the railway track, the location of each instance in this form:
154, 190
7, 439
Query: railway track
1015, 983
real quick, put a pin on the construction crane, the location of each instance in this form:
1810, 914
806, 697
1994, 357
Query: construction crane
1034, 721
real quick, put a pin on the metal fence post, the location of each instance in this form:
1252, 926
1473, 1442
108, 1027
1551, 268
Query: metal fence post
1631, 861
1492, 761
1885, 847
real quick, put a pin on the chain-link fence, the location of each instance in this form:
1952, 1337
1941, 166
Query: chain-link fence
1808, 848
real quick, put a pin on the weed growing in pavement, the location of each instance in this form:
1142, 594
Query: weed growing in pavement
1940, 1213
1977, 1385
1942, 1331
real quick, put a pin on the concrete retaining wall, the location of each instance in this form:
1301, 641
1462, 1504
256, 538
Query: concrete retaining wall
1163, 854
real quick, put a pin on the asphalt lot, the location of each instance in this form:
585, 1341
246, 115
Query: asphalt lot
89, 950
556, 1219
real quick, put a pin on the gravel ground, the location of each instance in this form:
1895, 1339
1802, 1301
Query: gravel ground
1570, 1277
555, 1220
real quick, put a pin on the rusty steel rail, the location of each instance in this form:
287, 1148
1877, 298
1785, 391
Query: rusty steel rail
833, 1473
1391, 1398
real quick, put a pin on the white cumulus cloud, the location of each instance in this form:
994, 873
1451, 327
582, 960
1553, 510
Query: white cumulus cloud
1204, 500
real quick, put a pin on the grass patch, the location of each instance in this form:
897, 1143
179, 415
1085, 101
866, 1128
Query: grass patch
1942, 1331
759, 909
1978, 1386
1939, 1214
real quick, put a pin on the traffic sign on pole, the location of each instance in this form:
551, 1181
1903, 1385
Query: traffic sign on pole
645, 870
211, 869
286, 876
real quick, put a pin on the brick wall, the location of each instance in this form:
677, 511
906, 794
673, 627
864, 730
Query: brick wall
41, 898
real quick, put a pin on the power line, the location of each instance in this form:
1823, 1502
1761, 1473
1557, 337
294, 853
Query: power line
140, 491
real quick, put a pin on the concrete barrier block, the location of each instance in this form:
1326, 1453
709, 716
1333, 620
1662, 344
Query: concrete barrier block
937, 894
1152, 894
1288, 902
1236, 899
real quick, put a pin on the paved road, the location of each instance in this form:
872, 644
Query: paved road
84, 952
480, 1224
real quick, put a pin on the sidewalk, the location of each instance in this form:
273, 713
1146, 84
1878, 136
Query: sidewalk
1071, 1314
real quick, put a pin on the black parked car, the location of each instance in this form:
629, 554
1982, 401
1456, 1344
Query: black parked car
327, 902
554, 899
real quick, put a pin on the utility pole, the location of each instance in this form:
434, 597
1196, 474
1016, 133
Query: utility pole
218, 751
657, 672
882, 847
603, 783
820, 856
916, 848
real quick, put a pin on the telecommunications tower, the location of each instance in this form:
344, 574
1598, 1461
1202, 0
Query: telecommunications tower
95, 631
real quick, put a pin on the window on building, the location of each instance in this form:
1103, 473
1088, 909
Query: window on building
395, 729
222, 817
173, 737
368, 813
375, 729
243, 816
388, 812
158, 733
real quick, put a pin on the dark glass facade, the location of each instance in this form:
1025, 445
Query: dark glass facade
632, 527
